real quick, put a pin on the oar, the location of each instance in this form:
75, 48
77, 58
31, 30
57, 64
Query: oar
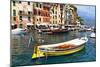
30, 40
46, 57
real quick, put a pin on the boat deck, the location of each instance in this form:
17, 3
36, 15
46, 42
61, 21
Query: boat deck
76, 42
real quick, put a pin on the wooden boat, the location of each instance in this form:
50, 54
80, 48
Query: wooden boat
64, 48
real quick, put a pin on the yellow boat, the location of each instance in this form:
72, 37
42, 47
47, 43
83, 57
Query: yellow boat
64, 48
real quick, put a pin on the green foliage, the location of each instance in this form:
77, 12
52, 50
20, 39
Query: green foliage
80, 20
34, 4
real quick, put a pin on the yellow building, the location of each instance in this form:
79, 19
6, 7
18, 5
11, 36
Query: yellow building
14, 13
55, 14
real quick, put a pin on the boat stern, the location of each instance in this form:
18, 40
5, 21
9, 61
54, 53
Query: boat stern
37, 54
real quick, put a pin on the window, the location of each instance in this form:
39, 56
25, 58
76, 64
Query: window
20, 17
34, 11
14, 12
56, 12
55, 7
39, 19
46, 14
28, 3
19, 1
40, 6
20, 12
36, 4
56, 22
55, 17
59, 16
29, 18
14, 3
39, 12
14, 18
29, 12
52, 10
53, 22
59, 21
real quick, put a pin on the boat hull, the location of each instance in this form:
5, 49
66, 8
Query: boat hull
56, 53
60, 48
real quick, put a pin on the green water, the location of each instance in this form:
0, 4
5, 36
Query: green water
21, 50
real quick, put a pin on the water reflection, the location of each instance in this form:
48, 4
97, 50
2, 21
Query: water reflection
60, 59
22, 48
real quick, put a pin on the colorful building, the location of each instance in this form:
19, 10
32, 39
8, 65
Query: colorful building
55, 14
21, 13
41, 13
14, 13
63, 14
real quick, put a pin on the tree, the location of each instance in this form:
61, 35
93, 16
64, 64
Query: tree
80, 20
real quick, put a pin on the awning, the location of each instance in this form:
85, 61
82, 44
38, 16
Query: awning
43, 24
30, 24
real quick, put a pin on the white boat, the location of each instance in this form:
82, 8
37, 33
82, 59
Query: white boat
89, 29
92, 35
18, 31
64, 48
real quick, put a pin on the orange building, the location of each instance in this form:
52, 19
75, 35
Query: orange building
41, 13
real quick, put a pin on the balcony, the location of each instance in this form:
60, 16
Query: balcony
47, 5
23, 13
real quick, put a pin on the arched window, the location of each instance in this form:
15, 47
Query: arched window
14, 12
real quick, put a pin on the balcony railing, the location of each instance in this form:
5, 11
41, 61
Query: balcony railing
47, 5
25, 13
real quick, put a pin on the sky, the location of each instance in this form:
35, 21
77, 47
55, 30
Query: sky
87, 12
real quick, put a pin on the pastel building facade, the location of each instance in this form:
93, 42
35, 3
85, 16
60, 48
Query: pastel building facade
56, 14
21, 13
63, 14
41, 13
14, 13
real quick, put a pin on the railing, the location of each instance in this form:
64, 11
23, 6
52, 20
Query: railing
47, 5
25, 13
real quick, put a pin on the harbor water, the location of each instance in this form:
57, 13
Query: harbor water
22, 48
